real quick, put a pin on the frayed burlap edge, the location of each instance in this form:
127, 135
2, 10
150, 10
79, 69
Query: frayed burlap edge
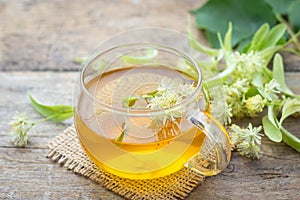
66, 150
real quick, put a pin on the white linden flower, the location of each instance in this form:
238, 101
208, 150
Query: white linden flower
20, 125
227, 114
237, 88
248, 61
250, 150
170, 92
155, 103
247, 140
232, 94
270, 90
242, 85
235, 135
246, 64
169, 98
169, 84
186, 89
217, 109
221, 111
252, 134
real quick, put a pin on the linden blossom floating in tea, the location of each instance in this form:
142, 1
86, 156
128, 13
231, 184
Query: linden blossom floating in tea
168, 93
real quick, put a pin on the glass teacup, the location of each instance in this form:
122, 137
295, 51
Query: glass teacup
140, 109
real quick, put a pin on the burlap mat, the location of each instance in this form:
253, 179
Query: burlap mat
66, 150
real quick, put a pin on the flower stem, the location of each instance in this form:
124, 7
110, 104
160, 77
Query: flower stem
45, 119
290, 31
291, 50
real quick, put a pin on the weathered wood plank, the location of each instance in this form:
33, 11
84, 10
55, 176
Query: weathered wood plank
47, 35
39, 178
25, 173
268, 178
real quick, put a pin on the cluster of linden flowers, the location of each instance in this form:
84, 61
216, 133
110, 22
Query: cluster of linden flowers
239, 104
170, 92
236, 88
250, 86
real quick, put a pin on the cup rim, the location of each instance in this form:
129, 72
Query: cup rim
141, 112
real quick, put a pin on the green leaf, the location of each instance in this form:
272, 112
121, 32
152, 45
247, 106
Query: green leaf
220, 40
150, 94
99, 65
278, 75
268, 75
199, 47
268, 52
290, 107
79, 60
228, 37
258, 37
150, 54
273, 36
128, 102
122, 134
271, 131
290, 139
187, 69
293, 15
213, 38
272, 114
246, 17
244, 45
280, 6
252, 91
57, 113
257, 80
216, 80
120, 137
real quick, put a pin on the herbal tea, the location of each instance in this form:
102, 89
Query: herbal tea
135, 146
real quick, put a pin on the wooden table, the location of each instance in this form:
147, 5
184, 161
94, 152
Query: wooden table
39, 39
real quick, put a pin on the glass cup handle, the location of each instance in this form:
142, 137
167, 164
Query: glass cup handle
215, 151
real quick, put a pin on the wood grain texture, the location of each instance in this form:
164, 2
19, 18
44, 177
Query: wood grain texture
47, 35
26, 173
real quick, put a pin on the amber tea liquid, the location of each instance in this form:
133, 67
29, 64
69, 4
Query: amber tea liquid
144, 152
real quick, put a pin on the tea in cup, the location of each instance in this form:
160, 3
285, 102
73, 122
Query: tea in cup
140, 111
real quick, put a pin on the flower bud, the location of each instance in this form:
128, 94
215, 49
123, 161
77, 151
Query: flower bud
254, 105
